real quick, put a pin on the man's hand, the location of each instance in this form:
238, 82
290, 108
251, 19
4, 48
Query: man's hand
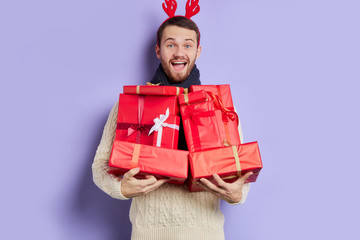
132, 187
230, 192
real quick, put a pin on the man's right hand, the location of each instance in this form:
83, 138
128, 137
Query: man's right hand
132, 187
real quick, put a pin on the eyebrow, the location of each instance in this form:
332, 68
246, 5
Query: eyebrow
173, 39
169, 39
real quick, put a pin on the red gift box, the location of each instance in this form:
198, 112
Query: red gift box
194, 97
153, 90
136, 117
223, 91
160, 162
200, 126
219, 130
228, 119
228, 162
166, 130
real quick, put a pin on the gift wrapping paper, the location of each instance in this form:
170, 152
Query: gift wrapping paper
166, 130
223, 91
207, 122
227, 118
228, 162
200, 126
159, 162
153, 90
194, 97
136, 116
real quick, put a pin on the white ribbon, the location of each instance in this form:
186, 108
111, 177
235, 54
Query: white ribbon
160, 124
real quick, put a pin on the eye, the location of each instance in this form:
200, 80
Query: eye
170, 45
187, 46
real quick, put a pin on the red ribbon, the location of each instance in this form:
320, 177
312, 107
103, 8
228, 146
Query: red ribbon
195, 115
227, 113
134, 127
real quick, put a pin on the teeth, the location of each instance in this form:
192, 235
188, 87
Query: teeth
178, 63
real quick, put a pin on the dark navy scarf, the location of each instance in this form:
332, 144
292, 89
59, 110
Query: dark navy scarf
160, 77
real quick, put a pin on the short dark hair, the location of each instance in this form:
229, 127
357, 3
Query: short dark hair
179, 21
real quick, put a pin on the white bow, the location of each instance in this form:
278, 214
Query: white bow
159, 124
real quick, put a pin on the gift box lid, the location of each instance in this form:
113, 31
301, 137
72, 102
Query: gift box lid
223, 91
153, 90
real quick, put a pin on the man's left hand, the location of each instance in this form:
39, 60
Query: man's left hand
230, 192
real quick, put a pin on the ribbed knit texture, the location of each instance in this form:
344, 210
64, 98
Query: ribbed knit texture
169, 212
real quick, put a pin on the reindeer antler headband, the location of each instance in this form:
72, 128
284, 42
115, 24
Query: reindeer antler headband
192, 8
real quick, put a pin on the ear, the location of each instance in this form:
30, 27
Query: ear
198, 51
157, 51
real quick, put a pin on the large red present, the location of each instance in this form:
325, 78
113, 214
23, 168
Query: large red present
228, 162
153, 90
160, 162
207, 122
138, 114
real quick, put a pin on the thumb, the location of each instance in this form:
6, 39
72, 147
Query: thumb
132, 172
245, 177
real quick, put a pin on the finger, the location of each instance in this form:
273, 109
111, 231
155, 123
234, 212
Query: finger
204, 187
131, 173
219, 181
148, 181
149, 176
245, 177
211, 186
200, 184
155, 185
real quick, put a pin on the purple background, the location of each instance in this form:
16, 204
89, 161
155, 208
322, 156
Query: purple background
294, 70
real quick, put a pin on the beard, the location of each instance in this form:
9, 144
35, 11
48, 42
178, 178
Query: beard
177, 77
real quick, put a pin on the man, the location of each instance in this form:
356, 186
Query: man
160, 210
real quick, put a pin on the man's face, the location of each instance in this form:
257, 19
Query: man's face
178, 52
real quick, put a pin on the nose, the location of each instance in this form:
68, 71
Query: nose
179, 52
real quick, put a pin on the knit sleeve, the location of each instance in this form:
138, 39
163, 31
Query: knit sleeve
109, 183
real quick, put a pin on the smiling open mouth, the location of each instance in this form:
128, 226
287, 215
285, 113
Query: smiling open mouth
178, 65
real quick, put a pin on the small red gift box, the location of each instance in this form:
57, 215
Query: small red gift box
200, 126
166, 130
207, 122
228, 162
160, 162
194, 97
228, 119
153, 90
138, 114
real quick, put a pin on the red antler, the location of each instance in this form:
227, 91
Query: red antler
192, 8
170, 7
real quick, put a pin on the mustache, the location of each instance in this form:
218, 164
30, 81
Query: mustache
179, 59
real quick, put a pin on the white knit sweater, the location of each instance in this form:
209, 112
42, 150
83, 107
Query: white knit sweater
169, 212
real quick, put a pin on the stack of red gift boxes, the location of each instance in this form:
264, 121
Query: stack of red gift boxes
148, 129
147, 134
